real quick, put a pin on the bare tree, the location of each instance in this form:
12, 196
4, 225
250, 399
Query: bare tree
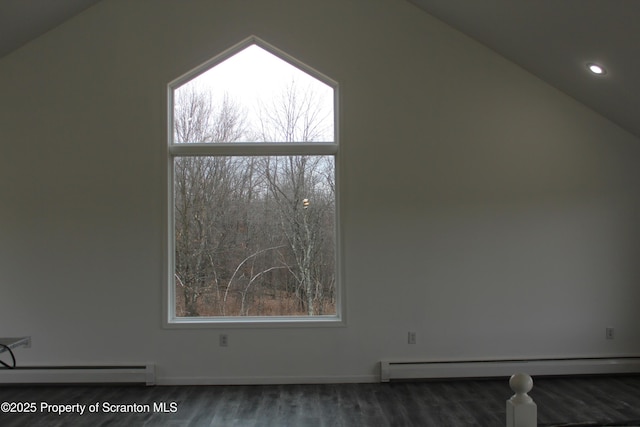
197, 120
302, 188
295, 116
204, 191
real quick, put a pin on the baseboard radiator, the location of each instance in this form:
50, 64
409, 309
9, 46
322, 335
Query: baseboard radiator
415, 370
114, 374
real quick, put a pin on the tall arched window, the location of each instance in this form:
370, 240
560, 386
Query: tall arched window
252, 201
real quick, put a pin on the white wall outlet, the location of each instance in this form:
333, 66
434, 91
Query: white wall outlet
224, 340
412, 338
609, 333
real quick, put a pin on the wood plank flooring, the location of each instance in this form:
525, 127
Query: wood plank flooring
479, 403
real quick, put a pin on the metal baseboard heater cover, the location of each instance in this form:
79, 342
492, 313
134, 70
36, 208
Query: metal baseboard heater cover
414, 370
113, 374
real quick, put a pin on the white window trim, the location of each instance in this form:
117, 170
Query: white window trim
170, 320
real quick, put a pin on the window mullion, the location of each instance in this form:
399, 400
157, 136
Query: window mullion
249, 149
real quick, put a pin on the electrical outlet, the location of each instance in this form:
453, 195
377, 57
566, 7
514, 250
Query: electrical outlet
609, 333
412, 338
224, 340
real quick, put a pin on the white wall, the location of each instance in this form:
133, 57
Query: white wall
481, 208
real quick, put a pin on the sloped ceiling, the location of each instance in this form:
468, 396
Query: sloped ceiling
553, 39
23, 20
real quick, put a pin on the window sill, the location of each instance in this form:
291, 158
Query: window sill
255, 322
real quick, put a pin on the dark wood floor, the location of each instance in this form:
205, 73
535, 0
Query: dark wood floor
479, 403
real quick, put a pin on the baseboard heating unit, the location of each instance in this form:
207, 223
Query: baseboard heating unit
415, 370
116, 374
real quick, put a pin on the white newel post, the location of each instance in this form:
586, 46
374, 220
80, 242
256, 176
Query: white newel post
521, 409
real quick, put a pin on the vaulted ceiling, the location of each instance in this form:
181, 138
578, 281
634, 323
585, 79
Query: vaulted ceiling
23, 20
554, 40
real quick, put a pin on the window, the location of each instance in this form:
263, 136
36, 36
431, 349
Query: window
252, 200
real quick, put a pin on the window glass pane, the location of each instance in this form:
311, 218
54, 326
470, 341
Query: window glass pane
253, 96
254, 236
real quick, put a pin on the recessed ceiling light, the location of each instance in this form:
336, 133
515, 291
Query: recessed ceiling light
596, 69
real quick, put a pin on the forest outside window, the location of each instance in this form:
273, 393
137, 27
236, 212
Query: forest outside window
252, 201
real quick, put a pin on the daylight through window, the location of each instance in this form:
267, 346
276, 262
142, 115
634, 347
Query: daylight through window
253, 231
